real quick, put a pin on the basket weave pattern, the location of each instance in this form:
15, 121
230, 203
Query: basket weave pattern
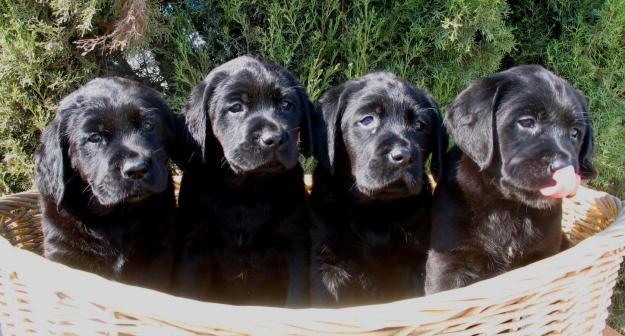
568, 293
20, 220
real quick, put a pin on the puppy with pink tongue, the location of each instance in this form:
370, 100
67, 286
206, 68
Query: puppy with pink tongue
523, 143
567, 183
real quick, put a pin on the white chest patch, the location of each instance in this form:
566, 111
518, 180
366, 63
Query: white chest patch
119, 264
510, 252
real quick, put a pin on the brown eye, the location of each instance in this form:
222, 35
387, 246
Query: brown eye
147, 126
527, 122
235, 108
420, 125
285, 105
95, 138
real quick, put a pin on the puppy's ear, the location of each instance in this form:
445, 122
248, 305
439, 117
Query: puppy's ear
306, 130
170, 119
195, 113
154, 99
51, 162
586, 168
327, 122
173, 126
441, 140
470, 120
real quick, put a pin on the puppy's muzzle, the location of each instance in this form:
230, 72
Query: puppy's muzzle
558, 164
135, 169
272, 139
566, 177
400, 156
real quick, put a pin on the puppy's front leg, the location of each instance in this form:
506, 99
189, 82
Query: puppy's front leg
298, 270
418, 279
451, 269
193, 277
320, 296
565, 244
151, 268
329, 280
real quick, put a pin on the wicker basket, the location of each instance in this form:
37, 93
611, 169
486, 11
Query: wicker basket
566, 294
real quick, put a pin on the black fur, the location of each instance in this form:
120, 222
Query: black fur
371, 198
244, 238
107, 197
488, 215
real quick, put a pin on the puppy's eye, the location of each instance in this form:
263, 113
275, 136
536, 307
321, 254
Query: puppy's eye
236, 108
147, 126
575, 133
285, 105
527, 122
95, 138
420, 125
366, 121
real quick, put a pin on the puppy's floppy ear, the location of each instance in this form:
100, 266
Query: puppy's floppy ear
171, 120
51, 161
470, 120
326, 122
153, 98
441, 140
306, 131
195, 113
586, 168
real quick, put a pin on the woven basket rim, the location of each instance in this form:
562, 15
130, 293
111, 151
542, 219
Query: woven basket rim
159, 306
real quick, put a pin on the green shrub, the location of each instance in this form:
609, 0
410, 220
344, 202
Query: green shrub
38, 65
49, 48
40, 62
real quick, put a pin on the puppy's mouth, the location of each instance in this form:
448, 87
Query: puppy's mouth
269, 168
270, 163
135, 197
566, 184
404, 185
109, 195
543, 191
528, 195
129, 197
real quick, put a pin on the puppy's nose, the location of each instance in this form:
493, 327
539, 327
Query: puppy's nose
400, 156
558, 164
273, 139
135, 169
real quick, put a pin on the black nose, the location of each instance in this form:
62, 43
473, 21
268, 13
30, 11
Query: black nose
273, 139
558, 164
135, 169
400, 156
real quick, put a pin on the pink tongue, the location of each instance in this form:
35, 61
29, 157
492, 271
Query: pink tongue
567, 183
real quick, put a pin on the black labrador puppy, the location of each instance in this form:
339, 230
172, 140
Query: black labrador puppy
107, 196
244, 234
524, 140
371, 197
